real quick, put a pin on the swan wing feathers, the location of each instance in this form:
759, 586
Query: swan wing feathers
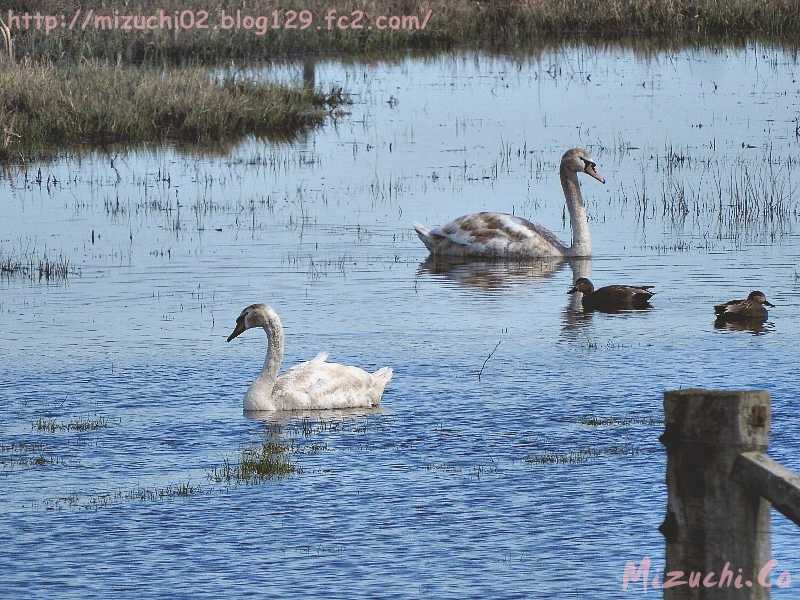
491, 233
317, 384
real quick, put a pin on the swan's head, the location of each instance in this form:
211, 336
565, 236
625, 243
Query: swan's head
582, 285
578, 160
759, 297
255, 315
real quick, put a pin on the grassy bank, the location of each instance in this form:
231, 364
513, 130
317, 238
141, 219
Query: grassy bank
44, 106
489, 23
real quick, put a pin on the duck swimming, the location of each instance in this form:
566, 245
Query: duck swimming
749, 309
612, 297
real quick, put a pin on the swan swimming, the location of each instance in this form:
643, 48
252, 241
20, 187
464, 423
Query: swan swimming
312, 385
491, 234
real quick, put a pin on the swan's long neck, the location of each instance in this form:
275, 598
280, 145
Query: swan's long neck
274, 330
581, 238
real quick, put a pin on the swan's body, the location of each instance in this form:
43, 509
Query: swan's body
313, 385
491, 234
749, 309
612, 297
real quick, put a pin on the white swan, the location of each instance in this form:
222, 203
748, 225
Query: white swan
491, 234
312, 385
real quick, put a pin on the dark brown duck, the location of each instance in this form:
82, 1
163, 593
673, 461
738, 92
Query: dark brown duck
612, 297
749, 309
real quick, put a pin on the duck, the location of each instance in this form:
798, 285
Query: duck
612, 297
495, 234
312, 385
749, 309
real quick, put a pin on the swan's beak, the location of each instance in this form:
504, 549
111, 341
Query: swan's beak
591, 171
238, 330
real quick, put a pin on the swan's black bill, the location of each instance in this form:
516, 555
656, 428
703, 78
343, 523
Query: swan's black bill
238, 330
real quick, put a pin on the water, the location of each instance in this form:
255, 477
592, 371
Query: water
449, 490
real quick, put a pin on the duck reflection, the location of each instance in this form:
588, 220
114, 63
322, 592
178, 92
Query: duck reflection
754, 326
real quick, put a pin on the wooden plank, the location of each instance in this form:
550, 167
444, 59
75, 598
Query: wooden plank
771, 480
711, 519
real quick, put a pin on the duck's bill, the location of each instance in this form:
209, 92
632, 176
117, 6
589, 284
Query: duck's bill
237, 331
572, 291
590, 170
768, 303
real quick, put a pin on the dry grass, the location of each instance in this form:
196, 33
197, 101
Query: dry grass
489, 23
42, 105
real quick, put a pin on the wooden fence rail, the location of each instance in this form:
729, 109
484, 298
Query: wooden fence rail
720, 486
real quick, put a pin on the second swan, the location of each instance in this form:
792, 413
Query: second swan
490, 234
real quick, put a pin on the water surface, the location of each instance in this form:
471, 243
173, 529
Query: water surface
457, 487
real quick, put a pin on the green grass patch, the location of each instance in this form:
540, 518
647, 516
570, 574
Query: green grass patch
254, 465
46, 106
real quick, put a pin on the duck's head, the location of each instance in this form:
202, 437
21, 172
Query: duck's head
583, 285
578, 160
759, 297
255, 315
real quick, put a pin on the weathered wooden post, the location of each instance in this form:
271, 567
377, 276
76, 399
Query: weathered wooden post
715, 526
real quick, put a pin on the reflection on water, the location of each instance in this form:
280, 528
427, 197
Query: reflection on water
315, 416
447, 491
490, 275
755, 326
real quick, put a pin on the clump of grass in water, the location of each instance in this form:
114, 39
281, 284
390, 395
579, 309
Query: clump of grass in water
581, 456
48, 425
97, 103
36, 267
593, 421
267, 461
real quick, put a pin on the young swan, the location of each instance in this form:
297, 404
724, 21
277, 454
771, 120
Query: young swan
312, 385
492, 235
749, 309
612, 297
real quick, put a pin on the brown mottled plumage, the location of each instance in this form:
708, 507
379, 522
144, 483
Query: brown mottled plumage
493, 234
749, 309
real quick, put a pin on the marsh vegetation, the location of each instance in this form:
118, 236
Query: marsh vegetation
451, 23
45, 107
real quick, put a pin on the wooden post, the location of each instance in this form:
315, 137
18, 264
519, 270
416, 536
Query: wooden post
712, 520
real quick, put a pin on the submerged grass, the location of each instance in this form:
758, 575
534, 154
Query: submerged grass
268, 461
43, 105
201, 35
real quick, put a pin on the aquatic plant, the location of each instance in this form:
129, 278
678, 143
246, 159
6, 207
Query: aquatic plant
49, 425
34, 265
50, 107
255, 465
